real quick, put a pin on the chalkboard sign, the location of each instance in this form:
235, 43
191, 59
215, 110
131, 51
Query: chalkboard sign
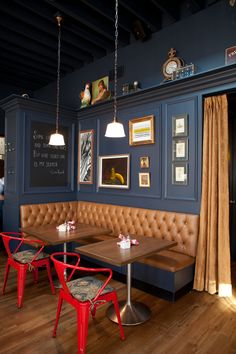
48, 164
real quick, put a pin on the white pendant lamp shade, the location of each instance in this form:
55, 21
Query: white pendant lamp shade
115, 130
57, 139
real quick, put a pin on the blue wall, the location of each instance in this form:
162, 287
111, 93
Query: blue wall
200, 39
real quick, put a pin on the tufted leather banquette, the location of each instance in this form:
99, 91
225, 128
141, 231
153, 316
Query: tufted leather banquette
179, 227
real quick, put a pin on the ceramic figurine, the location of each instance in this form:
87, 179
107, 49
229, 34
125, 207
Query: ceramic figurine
85, 96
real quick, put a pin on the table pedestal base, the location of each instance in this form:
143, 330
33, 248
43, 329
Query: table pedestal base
131, 314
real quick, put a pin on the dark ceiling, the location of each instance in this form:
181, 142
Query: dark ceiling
28, 33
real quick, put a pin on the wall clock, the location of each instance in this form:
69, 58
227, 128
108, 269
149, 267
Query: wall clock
171, 64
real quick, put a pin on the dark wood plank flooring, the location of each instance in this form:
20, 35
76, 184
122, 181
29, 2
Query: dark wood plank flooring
196, 323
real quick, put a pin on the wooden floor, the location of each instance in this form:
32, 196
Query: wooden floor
196, 323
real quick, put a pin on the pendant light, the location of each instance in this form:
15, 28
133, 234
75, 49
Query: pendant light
56, 138
115, 129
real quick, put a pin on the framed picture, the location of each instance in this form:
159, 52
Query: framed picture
100, 91
144, 179
144, 162
114, 171
180, 173
230, 55
85, 154
141, 130
180, 149
180, 125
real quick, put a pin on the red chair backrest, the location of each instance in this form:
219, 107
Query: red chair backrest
8, 237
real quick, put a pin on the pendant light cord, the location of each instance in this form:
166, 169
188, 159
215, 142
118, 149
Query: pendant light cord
59, 18
116, 60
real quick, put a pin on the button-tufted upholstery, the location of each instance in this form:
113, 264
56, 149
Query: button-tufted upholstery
179, 227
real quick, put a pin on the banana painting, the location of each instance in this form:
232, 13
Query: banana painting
114, 175
120, 178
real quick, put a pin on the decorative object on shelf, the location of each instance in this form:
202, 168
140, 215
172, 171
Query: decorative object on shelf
180, 125
85, 96
125, 88
144, 162
100, 90
230, 55
144, 179
141, 130
180, 173
136, 85
183, 72
56, 138
85, 155
115, 129
171, 64
180, 149
114, 171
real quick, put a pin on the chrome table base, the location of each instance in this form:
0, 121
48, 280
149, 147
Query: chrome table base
131, 314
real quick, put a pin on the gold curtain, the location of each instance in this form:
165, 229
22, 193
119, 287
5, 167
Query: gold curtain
212, 272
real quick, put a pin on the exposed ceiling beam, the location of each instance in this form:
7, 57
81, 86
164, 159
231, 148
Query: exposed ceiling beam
151, 19
43, 39
104, 8
78, 12
31, 57
29, 44
171, 11
69, 24
49, 29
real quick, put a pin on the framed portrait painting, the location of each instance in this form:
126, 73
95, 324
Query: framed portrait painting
100, 90
114, 171
85, 154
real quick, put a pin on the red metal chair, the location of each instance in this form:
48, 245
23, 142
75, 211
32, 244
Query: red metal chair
85, 294
22, 261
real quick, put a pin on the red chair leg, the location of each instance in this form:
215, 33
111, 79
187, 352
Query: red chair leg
60, 300
50, 277
82, 325
21, 284
116, 306
6, 277
35, 272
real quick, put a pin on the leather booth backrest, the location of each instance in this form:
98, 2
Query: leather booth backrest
48, 213
179, 227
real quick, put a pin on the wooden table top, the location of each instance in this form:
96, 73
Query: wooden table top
50, 234
109, 252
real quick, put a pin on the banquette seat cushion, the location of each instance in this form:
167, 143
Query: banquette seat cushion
179, 227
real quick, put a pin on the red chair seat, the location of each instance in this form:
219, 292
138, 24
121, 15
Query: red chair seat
28, 255
86, 288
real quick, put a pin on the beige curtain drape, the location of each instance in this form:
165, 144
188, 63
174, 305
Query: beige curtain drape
212, 272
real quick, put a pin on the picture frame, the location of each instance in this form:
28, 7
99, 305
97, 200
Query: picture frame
85, 156
144, 162
180, 173
114, 171
180, 125
180, 149
144, 179
230, 55
141, 130
100, 96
